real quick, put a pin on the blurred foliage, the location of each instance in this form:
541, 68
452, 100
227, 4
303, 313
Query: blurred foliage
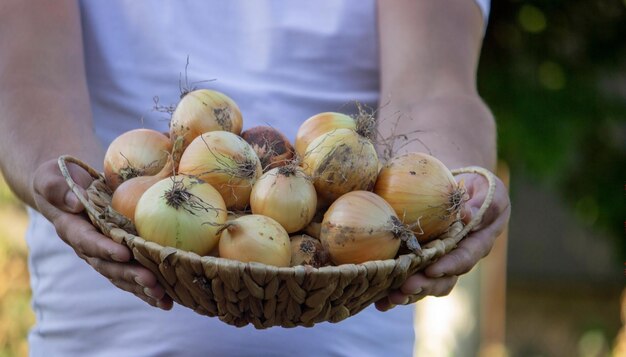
16, 315
554, 74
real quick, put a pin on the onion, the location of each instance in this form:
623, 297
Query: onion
227, 162
320, 124
138, 152
423, 192
287, 195
126, 196
204, 110
306, 250
341, 161
181, 212
271, 146
315, 226
360, 226
255, 238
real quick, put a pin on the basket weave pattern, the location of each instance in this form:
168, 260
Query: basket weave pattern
252, 293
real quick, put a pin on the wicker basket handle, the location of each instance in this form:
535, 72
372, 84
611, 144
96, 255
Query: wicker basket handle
491, 180
62, 161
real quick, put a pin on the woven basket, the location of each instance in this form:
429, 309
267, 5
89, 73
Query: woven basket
262, 295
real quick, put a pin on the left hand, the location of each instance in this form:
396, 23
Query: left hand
439, 278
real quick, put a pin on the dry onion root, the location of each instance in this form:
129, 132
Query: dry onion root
306, 250
255, 238
181, 212
423, 192
287, 195
360, 226
227, 162
138, 152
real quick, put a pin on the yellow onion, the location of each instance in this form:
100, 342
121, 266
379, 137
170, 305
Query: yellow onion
255, 238
360, 226
126, 196
227, 162
287, 195
181, 212
320, 124
423, 192
138, 152
306, 250
204, 110
341, 161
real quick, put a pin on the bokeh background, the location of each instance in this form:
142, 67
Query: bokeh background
554, 74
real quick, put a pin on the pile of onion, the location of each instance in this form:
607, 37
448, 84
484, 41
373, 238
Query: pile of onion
423, 193
330, 191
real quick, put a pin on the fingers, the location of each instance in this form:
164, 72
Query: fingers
134, 279
416, 288
52, 188
86, 241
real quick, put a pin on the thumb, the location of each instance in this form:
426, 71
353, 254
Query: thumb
50, 184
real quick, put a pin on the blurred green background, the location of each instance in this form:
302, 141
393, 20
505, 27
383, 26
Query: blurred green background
554, 74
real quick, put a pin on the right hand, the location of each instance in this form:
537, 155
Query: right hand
56, 202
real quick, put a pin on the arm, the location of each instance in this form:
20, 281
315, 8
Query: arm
429, 53
45, 112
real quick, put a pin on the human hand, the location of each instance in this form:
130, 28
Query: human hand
439, 278
56, 202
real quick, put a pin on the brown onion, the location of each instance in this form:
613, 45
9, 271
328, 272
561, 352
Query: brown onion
271, 146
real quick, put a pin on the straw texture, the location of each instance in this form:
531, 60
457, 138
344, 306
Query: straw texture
264, 296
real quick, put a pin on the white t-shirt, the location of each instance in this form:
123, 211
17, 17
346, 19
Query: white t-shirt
281, 63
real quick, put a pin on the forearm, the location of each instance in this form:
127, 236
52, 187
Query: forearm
44, 103
429, 55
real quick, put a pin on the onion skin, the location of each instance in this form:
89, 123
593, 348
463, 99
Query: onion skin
341, 161
204, 110
193, 225
423, 193
359, 227
255, 238
138, 152
320, 124
227, 162
271, 146
306, 250
126, 196
286, 195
